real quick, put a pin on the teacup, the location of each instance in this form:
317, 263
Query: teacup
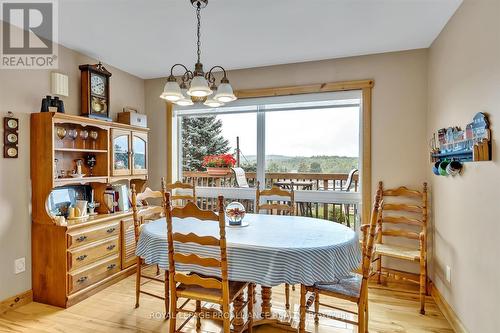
442, 167
454, 168
435, 168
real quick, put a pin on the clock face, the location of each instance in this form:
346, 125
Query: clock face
97, 84
12, 137
12, 123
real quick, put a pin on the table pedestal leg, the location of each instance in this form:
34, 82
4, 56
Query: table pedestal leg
238, 321
266, 302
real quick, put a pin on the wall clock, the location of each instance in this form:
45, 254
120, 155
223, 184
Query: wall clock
11, 136
95, 91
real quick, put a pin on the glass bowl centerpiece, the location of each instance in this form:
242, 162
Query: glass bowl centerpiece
219, 165
235, 213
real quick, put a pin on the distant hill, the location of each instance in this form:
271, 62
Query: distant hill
315, 164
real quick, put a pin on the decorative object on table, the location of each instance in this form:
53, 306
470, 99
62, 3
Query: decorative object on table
78, 169
219, 165
235, 213
471, 145
90, 161
93, 135
95, 91
11, 136
454, 168
201, 84
73, 134
131, 116
84, 135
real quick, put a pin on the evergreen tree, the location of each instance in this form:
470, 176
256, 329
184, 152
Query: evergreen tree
201, 136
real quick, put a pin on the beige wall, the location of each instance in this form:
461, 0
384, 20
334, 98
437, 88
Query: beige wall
464, 78
21, 92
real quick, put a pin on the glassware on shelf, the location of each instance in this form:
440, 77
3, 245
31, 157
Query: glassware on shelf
84, 135
90, 160
56, 168
93, 136
61, 134
73, 134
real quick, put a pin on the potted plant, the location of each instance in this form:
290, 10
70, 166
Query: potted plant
219, 165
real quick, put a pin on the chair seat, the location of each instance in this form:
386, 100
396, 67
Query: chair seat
349, 286
208, 294
397, 251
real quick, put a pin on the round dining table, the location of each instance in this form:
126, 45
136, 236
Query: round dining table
270, 250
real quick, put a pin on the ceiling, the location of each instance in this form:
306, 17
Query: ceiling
146, 37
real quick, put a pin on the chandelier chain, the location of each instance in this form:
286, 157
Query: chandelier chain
198, 32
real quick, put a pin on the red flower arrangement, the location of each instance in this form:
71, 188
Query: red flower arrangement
219, 161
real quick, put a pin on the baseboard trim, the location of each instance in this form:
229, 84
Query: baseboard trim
447, 311
16, 301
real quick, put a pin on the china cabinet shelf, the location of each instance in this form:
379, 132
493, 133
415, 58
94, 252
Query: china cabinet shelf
78, 150
83, 180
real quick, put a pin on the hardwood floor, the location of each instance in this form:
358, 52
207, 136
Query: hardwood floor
112, 310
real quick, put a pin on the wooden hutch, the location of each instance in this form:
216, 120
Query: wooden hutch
74, 261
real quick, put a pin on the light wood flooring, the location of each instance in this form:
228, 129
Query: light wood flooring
112, 310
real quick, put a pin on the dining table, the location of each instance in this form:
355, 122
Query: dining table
268, 250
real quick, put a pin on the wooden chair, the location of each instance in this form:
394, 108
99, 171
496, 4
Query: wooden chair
353, 289
141, 215
181, 193
203, 288
285, 205
240, 177
404, 210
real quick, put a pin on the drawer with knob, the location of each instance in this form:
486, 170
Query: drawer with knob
88, 235
88, 254
93, 273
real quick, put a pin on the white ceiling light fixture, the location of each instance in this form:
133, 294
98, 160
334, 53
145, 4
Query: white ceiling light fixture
201, 84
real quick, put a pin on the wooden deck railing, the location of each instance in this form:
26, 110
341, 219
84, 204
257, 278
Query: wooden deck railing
333, 211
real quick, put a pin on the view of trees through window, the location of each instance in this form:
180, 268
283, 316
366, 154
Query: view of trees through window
305, 141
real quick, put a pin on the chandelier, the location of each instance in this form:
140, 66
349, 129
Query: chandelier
197, 86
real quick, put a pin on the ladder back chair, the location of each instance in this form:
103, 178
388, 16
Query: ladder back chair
279, 202
404, 216
141, 215
352, 289
181, 192
203, 288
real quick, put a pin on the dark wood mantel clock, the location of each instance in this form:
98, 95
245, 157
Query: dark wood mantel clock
95, 91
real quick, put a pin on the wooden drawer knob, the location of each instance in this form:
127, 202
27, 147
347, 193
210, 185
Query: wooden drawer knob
110, 230
111, 266
82, 257
111, 247
81, 238
82, 279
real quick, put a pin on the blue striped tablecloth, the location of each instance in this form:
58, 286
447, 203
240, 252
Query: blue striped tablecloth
271, 251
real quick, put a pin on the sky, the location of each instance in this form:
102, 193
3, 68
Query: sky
297, 133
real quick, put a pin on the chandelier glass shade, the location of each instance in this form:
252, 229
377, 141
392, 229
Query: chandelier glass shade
197, 86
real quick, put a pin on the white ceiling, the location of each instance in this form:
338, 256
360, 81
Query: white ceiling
146, 37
